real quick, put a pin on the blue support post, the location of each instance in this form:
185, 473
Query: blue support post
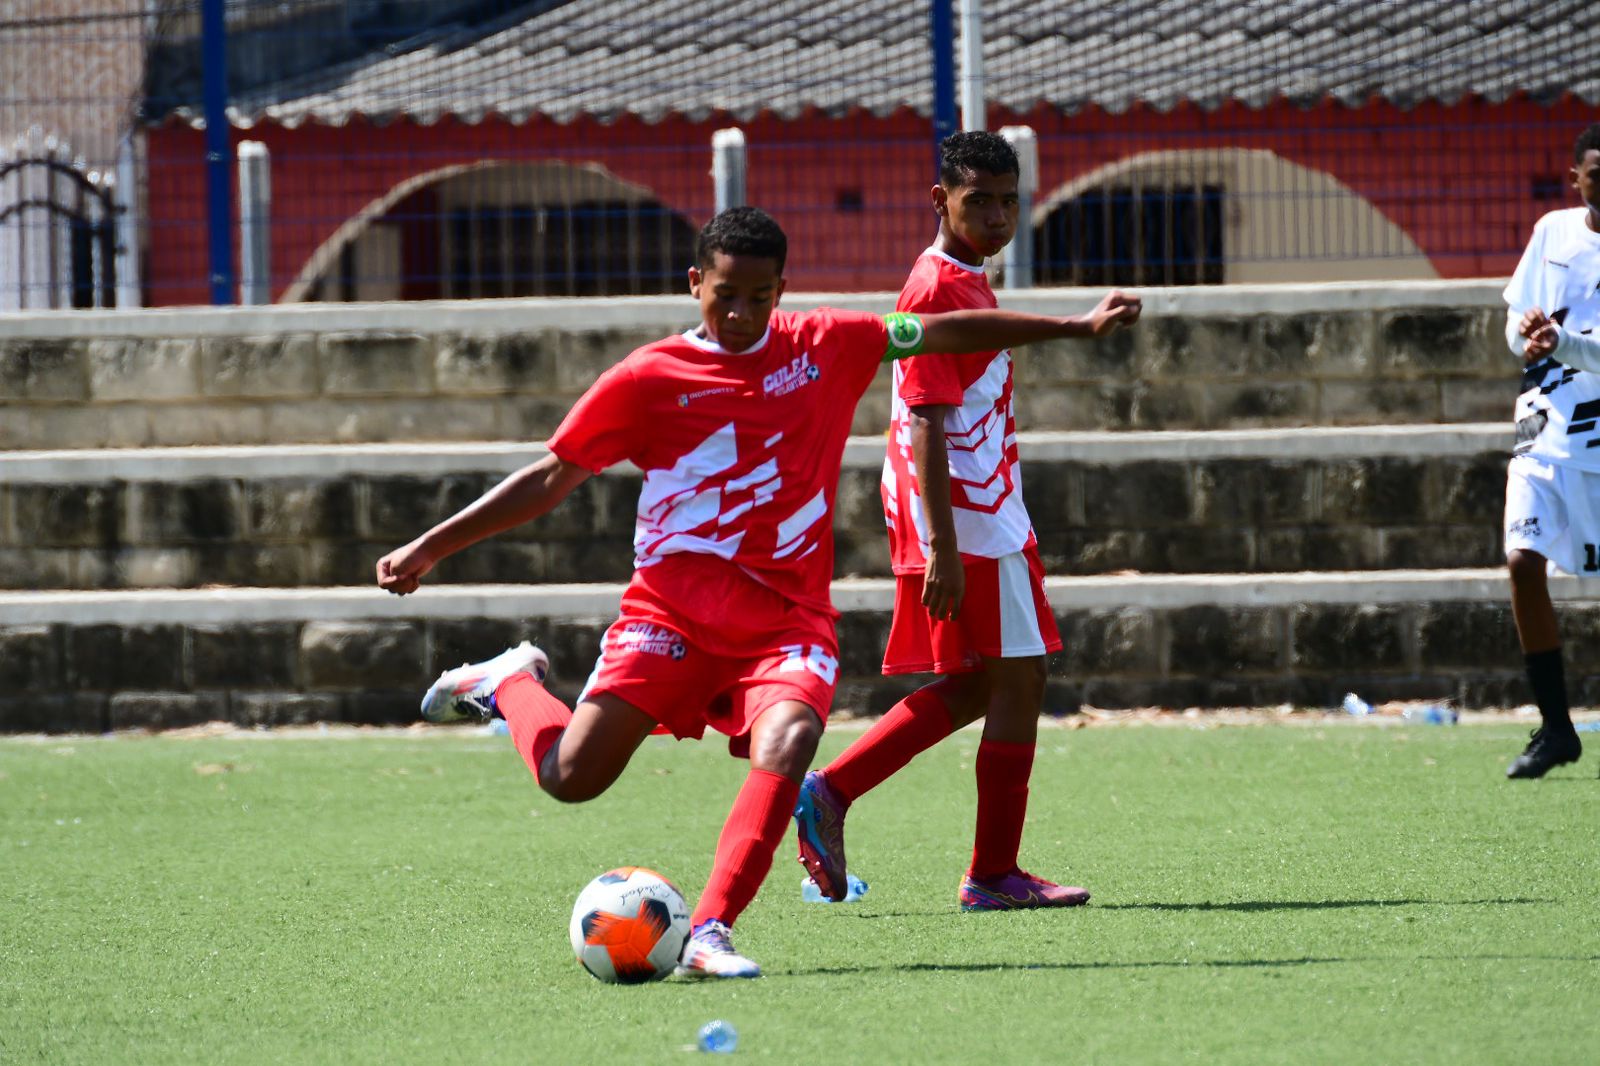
944, 74
219, 153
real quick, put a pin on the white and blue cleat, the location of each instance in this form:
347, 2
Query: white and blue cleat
468, 690
709, 953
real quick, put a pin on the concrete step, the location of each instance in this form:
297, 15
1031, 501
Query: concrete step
1171, 502
98, 660
1203, 357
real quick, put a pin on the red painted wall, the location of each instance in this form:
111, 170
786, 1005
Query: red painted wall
1466, 181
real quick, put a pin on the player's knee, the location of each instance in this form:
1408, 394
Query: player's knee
1020, 683
785, 740
569, 791
570, 786
1526, 568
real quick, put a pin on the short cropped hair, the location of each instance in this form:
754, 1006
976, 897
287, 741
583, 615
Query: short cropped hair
1588, 139
741, 231
969, 152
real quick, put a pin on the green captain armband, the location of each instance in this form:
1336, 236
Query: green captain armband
905, 335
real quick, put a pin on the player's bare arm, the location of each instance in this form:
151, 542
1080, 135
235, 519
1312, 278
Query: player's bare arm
525, 495
944, 579
984, 330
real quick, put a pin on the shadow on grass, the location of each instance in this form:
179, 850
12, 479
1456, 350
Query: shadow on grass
1244, 906
1310, 904
1177, 964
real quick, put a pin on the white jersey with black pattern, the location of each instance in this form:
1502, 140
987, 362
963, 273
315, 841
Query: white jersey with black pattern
1558, 412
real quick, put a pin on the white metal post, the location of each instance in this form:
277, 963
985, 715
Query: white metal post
1019, 253
129, 290
11, 276
255, 211
728, 167
972, 107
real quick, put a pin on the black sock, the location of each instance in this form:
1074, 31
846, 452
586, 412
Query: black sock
1549, 685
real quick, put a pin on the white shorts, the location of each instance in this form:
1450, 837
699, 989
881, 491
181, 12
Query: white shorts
1552, 510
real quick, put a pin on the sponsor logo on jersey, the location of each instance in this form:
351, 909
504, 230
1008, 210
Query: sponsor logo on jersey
800, 372
650, 639
1524, 527
686, 398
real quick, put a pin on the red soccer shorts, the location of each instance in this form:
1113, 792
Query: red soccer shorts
1004, 615
699, 642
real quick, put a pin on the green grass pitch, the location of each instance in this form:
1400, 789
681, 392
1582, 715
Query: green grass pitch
1334, 892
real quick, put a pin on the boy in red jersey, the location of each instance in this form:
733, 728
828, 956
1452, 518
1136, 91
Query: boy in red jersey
970, 603
739, 426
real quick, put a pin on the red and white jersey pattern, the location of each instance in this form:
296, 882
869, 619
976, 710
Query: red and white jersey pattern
740, 450
980, 429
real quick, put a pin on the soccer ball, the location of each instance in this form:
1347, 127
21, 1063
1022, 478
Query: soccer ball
629, 925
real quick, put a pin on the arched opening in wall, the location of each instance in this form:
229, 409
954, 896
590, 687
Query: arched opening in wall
494, 229
58, 228
1205, 217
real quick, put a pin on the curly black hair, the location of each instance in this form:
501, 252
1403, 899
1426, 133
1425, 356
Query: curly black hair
1588, 139
741, 231
967, 153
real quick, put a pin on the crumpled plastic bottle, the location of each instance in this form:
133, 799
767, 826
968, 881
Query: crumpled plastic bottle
1356, 706
1431, 714
855, 888
718, 1037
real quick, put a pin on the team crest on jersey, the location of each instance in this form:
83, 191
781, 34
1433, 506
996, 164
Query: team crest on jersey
650, 639
1524, 527
800, 372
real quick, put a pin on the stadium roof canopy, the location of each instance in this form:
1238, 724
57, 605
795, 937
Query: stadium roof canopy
611, 58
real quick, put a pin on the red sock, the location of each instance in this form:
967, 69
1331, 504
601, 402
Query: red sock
537, 719
753, 831
1003, 770
911, 726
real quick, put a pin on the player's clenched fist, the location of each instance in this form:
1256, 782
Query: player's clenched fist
1115, 309
1540, 332
402, 570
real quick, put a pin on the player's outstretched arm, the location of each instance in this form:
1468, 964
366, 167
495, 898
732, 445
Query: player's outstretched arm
522, 497
981, 331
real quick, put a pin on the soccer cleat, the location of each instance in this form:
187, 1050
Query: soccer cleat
1547, 750
468, 690
819, 821
709, 953
1016, 891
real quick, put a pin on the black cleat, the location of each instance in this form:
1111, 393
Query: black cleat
1545, 752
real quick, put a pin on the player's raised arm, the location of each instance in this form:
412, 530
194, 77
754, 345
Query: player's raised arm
521, 497
985, 330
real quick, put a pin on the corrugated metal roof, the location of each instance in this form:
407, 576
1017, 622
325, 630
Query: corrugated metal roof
612, 58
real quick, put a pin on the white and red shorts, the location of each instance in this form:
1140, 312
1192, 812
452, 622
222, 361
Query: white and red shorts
1004, 615
699, 642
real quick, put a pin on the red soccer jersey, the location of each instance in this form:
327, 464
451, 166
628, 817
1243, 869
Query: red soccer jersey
740, 450
980, 430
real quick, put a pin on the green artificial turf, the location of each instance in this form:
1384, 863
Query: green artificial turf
1347, 893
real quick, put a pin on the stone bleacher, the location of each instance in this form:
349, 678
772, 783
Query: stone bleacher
192, 501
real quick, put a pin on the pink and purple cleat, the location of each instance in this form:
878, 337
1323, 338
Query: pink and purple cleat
1017, 891
819, 819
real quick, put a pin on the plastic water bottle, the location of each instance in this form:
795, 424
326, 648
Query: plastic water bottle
855, 888
1355, 705
718, 1037
1431, 714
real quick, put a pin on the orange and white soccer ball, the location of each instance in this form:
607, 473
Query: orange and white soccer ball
629, 925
